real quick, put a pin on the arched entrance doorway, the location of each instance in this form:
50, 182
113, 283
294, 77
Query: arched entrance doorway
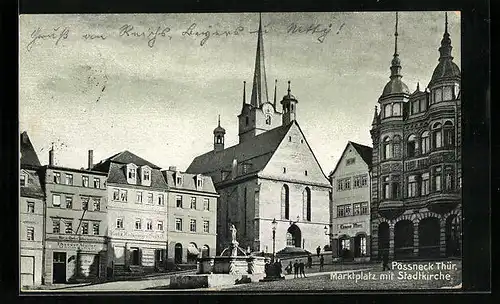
453, 230
178, 253
205, 251
428, 237
344, 246
383, 239
293, 236
403, 239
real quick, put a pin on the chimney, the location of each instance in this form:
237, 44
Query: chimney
91, 159
51, 156
172, 168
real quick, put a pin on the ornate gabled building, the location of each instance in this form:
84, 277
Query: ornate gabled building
271, 173
416, 167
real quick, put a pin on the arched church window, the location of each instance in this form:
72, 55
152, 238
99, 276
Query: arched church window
396, 146
387, 110
268, 119
437, 141
386, 144
306, 204
448, 134
396, 109
285, 202
411, 145
425, 142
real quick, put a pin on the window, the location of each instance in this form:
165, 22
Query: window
305, 173
85, 203
149, 225
178, 224
95, 228
436, 136
159, 225
362, 245
387, 111
415, 107
364, 208
412, 186
146, 175
178, 180
385, 187
284, 170
206, 204
69, 227
56, 200
206, 226
396, 188
347, 210
285, 202
344, 210
56, 226
425, 184
396, 146
356, 209
96, 204
199, 180
423, 104
289, 138
85, 181
345, 244
192, 225
57, 178
447, 93
306, 204
131, 173
268, 119
387, 148
30, 207
350, 161
411, 145
396, 109
360, 181
97, 183
69, 202
246, 121
425, 142
448, 178
116, 194
289, 240
138, 224
438, 95
69, 179
193, 202
119, 223
344, 184
437, 179
30, 233
22, 180
178, 201
85, 228
161, 202
449, 137
123, 195
150, 198
138, 198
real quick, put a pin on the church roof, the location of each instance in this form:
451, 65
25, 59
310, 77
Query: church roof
28, 154
256, 152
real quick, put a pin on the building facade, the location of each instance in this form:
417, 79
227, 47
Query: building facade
350, 213
416, 184
31, 215
191, 216
271, 173
76, 224
137, 213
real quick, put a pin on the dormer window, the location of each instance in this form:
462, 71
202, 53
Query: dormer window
146, 176
199, 182
131, 172
178, 179
268, 119
22, 178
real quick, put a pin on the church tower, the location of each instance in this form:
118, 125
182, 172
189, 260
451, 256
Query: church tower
260, 115
219, 133
289, 103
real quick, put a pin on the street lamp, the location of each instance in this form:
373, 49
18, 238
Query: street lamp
274, 224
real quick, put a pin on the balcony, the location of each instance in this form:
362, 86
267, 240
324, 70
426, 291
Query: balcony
417, 164
390, 204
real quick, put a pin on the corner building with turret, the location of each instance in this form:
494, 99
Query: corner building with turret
416, 164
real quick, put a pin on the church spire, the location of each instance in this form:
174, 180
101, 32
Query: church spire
244, 93
375, 117
259, 89
275, 85
445, 49
396, 62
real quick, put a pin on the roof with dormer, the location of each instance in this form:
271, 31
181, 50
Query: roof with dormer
189, 181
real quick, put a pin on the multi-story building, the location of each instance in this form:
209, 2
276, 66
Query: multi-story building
350, 213
272, 173
76, 223
31, 215
137, 213
192, 216
416, 183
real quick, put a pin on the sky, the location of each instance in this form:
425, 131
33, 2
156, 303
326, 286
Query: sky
101, 82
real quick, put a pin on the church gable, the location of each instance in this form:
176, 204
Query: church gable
294, 160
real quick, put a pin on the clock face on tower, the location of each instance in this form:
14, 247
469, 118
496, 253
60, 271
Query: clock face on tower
267, 108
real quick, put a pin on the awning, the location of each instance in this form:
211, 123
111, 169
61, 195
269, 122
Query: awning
192, 250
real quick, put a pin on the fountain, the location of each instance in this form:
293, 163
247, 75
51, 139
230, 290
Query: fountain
231, 266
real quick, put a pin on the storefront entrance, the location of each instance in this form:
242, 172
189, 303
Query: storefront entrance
178, 254
59, 267
135, 256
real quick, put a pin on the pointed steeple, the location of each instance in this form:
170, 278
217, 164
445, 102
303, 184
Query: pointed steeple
445, 49
244, 93
418, 86
259, 89
218, 123
375, 117
396, 62
275, 85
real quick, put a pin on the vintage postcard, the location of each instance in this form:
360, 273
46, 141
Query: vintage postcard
240, 152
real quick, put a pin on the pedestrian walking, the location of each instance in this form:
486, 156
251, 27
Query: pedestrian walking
296, 268
385, 262
302, 268
309, 261
318, 250
321, 262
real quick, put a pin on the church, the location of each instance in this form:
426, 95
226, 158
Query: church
271, 174
416, 163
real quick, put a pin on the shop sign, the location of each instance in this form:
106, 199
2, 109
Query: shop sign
350, 225
77, 246
137, 235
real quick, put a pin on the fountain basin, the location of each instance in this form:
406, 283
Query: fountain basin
211, 280
231, 265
